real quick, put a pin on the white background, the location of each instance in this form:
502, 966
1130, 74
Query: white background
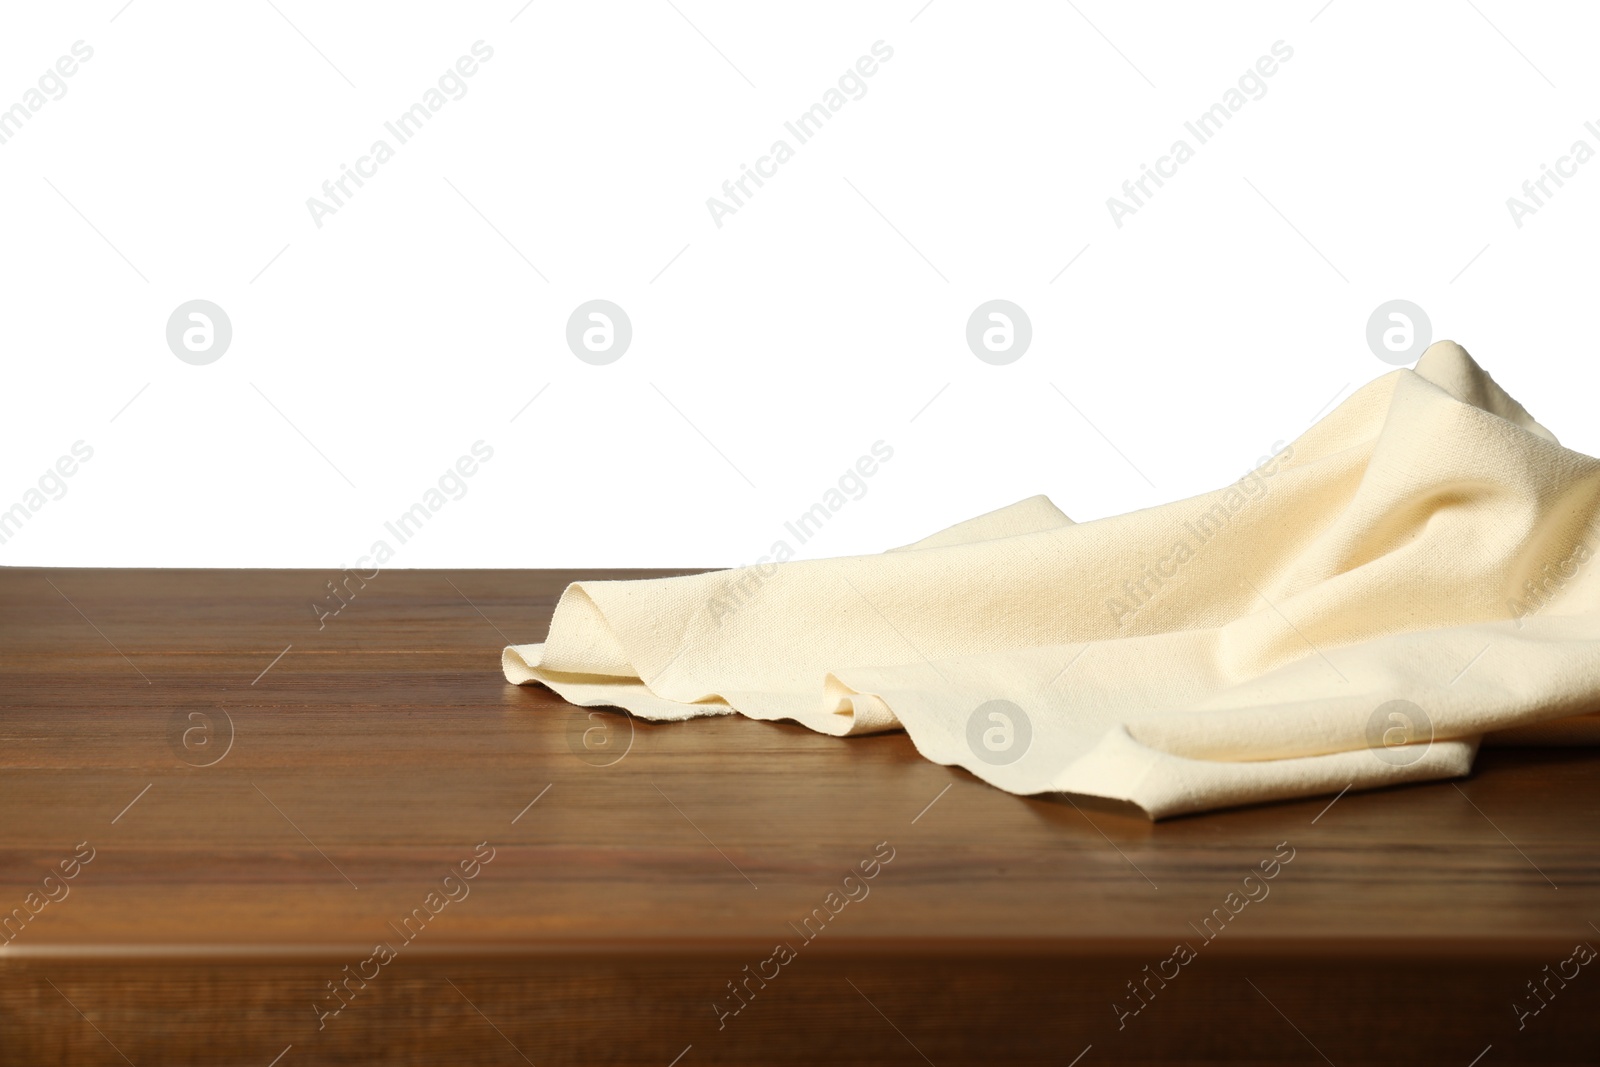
774, 350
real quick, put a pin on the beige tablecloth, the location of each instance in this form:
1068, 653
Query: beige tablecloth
1411, 576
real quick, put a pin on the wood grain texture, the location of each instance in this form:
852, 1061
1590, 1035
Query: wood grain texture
384, 747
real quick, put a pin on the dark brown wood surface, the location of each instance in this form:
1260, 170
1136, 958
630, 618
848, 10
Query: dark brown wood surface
267, 797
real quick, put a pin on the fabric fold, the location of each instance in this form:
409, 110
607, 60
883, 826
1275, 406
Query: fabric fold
1409, 577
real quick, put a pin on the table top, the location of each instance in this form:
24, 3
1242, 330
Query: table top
252, 776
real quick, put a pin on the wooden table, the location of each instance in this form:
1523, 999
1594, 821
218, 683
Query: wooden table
266, 798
